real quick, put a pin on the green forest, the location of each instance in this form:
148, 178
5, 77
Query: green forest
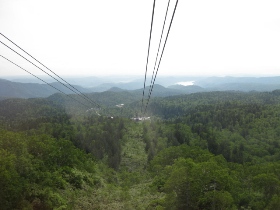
214, 150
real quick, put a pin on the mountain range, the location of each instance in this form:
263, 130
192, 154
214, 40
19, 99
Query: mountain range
27, 88
10, 89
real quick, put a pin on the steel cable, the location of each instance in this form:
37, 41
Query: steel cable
43, 81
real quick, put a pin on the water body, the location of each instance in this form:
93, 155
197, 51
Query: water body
187, 83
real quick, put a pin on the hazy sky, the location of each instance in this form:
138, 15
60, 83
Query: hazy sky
96, 37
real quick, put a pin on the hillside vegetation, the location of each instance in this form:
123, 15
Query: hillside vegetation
216, 150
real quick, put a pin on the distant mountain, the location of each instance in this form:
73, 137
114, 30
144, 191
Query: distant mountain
116, 89
122, 85
87, 81
245, 87
81, 81
10, 89
22, 90
201, 84
160, 91
209, 82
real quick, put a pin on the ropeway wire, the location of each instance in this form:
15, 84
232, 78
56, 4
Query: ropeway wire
83, 96
72, 87
163, 27
44, 81
151, 29
161, 54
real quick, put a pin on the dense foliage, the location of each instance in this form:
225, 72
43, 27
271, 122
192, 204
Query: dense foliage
218, 150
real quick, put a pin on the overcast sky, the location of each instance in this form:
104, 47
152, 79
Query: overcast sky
97, 37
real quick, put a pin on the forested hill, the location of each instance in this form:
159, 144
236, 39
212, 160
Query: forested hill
10, 89
177, 106
165, 107
216, 150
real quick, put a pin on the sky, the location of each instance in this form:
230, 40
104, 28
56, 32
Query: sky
109, 37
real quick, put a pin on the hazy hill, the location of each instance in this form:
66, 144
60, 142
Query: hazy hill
22, 90
116, 89
245, 87
123, 85
10, 89
89, 81
160, 91
208, 82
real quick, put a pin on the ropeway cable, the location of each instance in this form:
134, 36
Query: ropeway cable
159, 45
72, 87
151, 29
83, 96
44, 81
161, 54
